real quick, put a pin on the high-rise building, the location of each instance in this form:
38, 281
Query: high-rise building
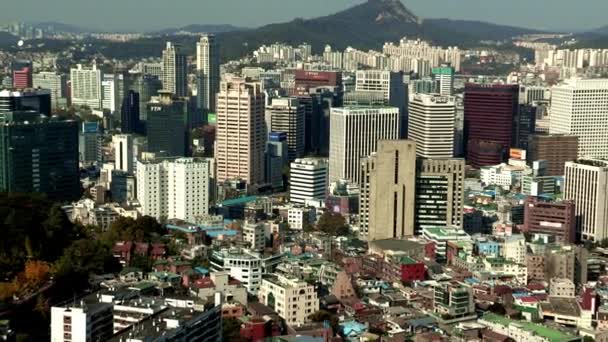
147, 86
39, 154
166, 127
580, 107
208, 72
556, 149
524, 125
90, 143
444, 79
276, 159
431, 125
355, 132
439, 193
307, 180
287, 115
56, 83
38, 100
112, 92
391, 85
388, 185
86, 86
489, 111
240, 138
174, 188
551, 218
129, 114
175, 70
124, 158
586, 184
21, 72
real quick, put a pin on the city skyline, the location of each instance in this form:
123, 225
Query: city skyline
117, 16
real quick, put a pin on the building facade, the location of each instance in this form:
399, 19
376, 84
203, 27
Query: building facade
431, 125
556, 149
287, 115
294, 300
174, 70
552, 218
307, 180
208, 72
85, 86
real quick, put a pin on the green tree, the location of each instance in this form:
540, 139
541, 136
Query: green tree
231, 330
84, 258
332, 223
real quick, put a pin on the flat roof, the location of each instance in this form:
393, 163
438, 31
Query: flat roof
552, 334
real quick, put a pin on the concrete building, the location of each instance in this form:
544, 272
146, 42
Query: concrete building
124, 158
57, 85
276, 159
112, 92
559, 287
553, 218
253, 234
566, 261
299, 217
454, 300
514, 248
287, 115
245, 266
444, 79
388, 185
441, 235
175, 188
208, 72
292, 299
38, 100
82, 322
355, 132
240, 137
431, 125
307, 180
174, 70
86, 86
222, 283
580, 107
586, 184
439, 193
167, 125
556, 149
90, 143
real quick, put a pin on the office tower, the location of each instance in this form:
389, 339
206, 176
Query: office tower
153, 69
586, 184
147, 86
21, 72
57, 85
240, 138
174, 188
287, 115
439, 193
391, 85
112, 92
459, 143
90, 143
129, 114
388, 185
276, 159
524, 125
124, 158
37, 100
86, 86
293, 299
489, 111
307, 180
431, 125
531, 94
552, 218
81, 322
39, 154
305, 80
355, 132
444, 78
556, 149
122, 186
317, 107
580, 107
175, 70
208, 72
167, 125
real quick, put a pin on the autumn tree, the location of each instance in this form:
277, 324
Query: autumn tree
332, 224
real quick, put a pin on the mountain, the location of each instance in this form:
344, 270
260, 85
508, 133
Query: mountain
7, 39
196, 28
61, 27
479, 29
600, 31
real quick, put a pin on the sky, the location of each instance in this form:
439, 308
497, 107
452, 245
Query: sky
142, 15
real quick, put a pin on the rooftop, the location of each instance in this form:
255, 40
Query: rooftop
541, 330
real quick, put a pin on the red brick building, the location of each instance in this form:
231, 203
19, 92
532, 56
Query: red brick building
552, 218
412, 270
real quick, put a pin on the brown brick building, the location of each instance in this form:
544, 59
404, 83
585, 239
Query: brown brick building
556, 149
552, 218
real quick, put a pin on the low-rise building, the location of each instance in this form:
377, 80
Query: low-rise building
293, 299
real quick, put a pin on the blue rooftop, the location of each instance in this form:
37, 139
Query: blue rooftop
226, 232
239, 201
201, 270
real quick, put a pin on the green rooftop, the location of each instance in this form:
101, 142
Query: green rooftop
239, 201
540, 330
407, 260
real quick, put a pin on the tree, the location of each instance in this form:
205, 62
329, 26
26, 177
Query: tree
36, 272
332, 223
145, 228
83, 258
231, 330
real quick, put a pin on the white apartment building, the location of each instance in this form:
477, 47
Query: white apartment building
580, 107
355, 132
81, 322
244, 265
124, 159
208, 69
503, 175
514, 248
292, 299
586, 183
86, 86
253, 233
298, 217
307, 180
174, 70
241, 135
431, 124
562, 287
174, 188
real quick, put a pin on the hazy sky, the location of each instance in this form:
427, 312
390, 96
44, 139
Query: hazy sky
155, 14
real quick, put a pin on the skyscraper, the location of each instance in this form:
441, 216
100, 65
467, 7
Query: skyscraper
444, 79
580, 107
276, 159
439, 193
112, 92
240, 138
129, 114
38, 100
386, 208
208, 72
147, 86
56, 83
21, 71
586, 184
90, 143
166, 127
175, 70
432, 125
307, 180
556, 149
124, 159
86, 86
489, 111
355, 132
39, 154
287, 115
